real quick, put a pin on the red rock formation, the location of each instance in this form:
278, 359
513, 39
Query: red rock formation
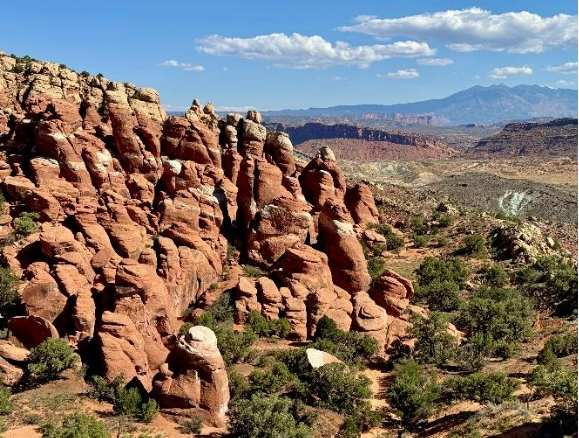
136, 212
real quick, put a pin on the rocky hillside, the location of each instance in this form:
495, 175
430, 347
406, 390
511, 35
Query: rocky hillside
117, 218
556, 138
355, 142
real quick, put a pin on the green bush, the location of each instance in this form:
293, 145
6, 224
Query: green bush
558, 382
238, 384
494, 275
481, 387
499, 316
76, 425
267, 417
558, 346
412, 393
361, 420
419, 225
436, 270
126, 401
9, 296
474, 244
376, 267
263, 328
49, 359
271, 381
552, 281
338, 387
392, 240
350, 347
25, 224
379, 248
442, 242
5, 402
439, 296
234, 345
253, 271
433, 342
192, 426
420, 241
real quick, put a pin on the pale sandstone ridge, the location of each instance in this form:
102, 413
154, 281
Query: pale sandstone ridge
136, 213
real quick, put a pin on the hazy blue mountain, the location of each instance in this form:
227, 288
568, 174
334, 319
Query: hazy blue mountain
481, 105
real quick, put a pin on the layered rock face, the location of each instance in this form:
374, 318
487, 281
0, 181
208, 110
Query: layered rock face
136, 211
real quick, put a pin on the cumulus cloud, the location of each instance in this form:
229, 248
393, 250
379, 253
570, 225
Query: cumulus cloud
435, 62
309, 52
401, 74
504, 72
569, 68
182, 65
477, 29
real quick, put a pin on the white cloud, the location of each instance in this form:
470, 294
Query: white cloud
477, 29
569, 68
338, 78
411, 73
303, 52
504, 72
563, 83
182, 65
435, 62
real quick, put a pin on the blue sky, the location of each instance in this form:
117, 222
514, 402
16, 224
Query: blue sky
302, 53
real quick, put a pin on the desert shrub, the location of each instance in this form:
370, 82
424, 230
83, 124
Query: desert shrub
494, 275
102, 390
263, 328
85, 74
376, 266
379, 248
558, 382
271, 381
192, 426
351, 347
49, 359
361, 420
25, 224
253, 271
5, 402
558, 346
338, 387
76, 425
412, 393
552, 281
268, 417
474, 244
471, 355
420, 241
433, 342
2, 201
441, 242
234, 345
419, 225
296, 361
100, 75
499, 316
130, 402
481, 387
444, 220
436, 270
9, 297
392, 240
221, 311
439, 296
238, 384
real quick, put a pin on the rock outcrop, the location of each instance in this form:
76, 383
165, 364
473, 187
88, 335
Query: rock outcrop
138, 213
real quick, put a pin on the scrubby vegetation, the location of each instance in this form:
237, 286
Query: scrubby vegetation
480, 387
393, 241
76, 425
439, 283
351, 347
49, 359
127, 401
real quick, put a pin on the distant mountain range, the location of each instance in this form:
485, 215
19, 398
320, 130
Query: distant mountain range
476, 105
